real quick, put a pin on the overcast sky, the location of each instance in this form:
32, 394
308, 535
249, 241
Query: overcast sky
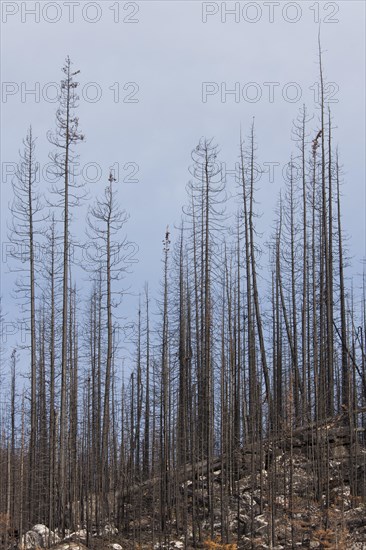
155, 77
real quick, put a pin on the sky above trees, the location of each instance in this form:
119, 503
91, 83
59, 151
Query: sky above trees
157, 76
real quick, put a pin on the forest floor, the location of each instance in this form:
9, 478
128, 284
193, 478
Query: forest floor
273, 507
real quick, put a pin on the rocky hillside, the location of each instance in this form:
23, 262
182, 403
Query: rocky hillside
275, 506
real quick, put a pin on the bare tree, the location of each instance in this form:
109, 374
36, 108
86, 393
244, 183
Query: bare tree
65, 138
26, 209
105, 221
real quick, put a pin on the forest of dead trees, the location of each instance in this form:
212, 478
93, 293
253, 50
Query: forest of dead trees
252, 342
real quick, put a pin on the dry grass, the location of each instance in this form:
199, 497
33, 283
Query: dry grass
218, 545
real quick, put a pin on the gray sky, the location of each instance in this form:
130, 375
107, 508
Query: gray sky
167, 51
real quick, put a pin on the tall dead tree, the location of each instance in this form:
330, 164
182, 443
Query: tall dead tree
105, 222
164, 403
342, 305
26, 210
64, 139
